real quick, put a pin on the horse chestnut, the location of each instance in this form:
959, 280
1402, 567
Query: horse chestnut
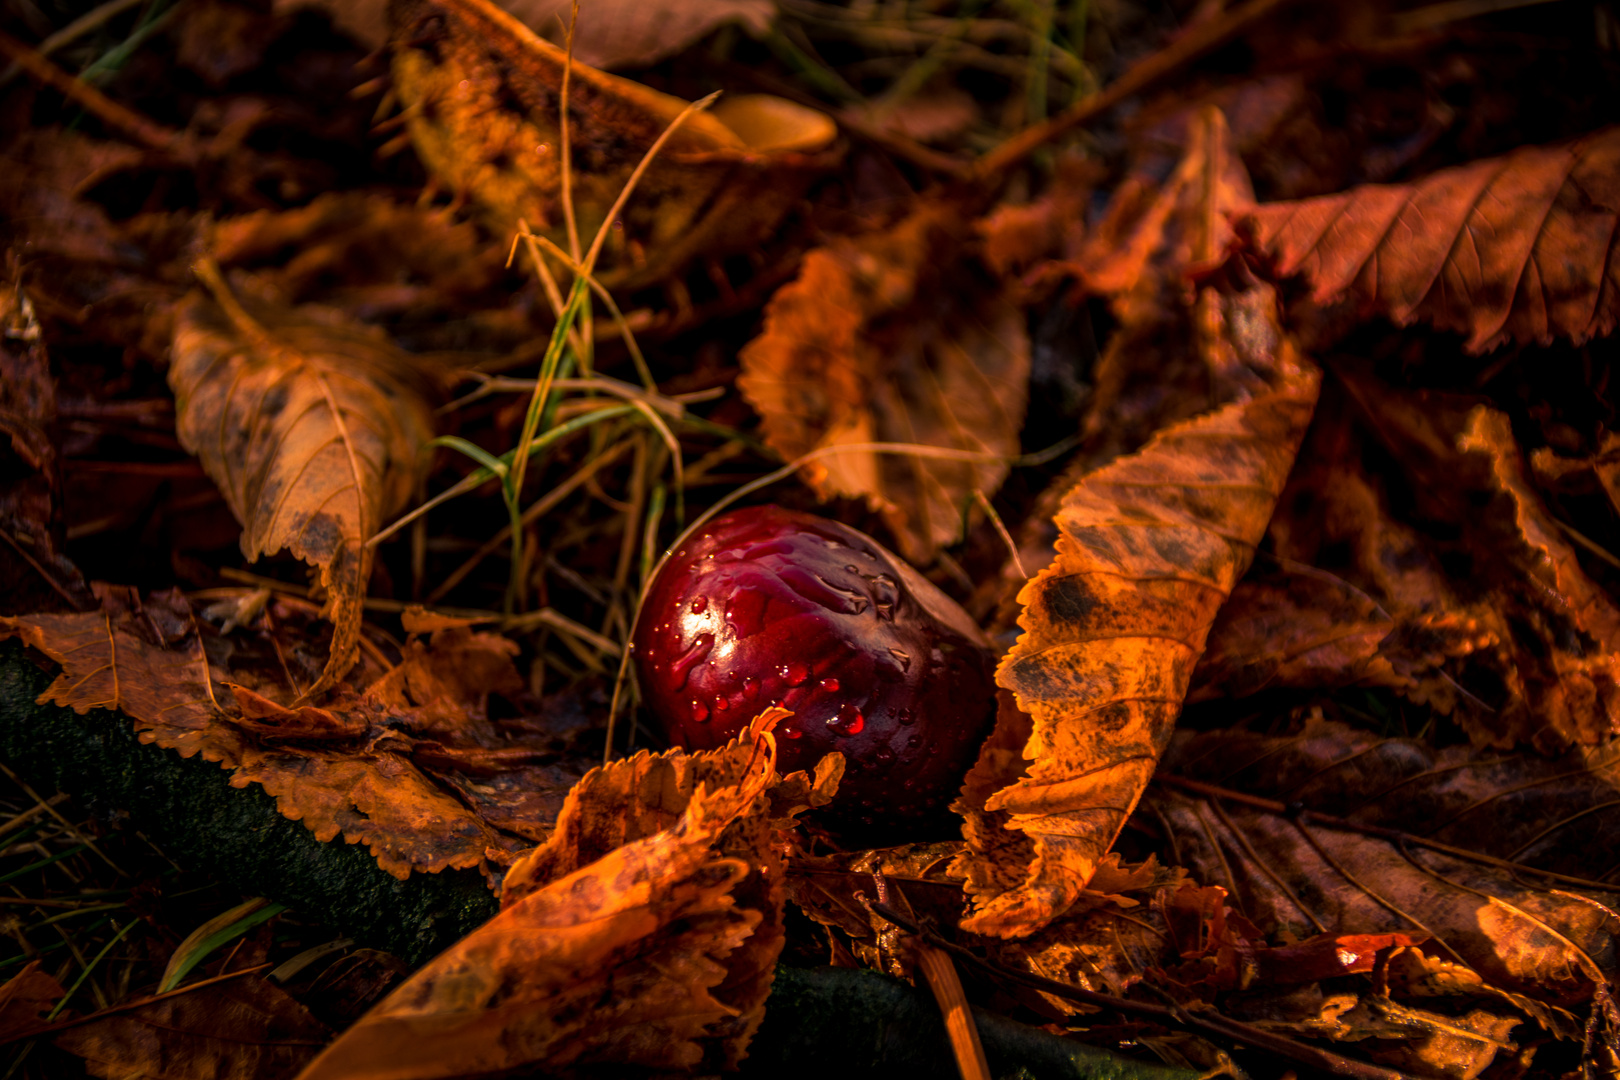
767, 606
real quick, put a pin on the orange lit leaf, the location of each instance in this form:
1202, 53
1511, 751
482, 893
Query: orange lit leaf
1149, 547
644, 932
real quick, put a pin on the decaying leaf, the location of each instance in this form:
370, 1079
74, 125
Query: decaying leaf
372, 765
1516, 248
1547, 942
895, 337
643, 933
315, 433
1475, 604
481, 94
639, 33
1018, 237
837, 890
239, 1029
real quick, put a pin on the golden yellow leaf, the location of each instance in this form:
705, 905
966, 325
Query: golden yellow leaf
644, 932
1149, 547
895, 337
481, 94
315, 434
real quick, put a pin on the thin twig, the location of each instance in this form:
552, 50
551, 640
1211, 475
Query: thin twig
940, 973
1190, 44
104, 108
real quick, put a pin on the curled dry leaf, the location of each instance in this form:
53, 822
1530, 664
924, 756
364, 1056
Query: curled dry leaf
1149, 548
240, 1029
895, 337
481, 94
643, 933
1543, 945
1474, 604
315, 433
371, 766
1517, 248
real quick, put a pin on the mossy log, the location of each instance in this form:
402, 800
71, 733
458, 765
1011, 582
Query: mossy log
189, 808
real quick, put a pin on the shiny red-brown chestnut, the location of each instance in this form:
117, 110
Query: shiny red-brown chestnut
767, 606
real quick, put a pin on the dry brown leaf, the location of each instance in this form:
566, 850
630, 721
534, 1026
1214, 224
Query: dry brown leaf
895, 337
107, 279
1017, 237
240, 1029
366, 254
362, 767
25, 998
643, 933
639, 33
1475, 604
1418, 1042
34, 574
1302, 630
1513, 248
481, 95
1551, 942
837, 890
315, 433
